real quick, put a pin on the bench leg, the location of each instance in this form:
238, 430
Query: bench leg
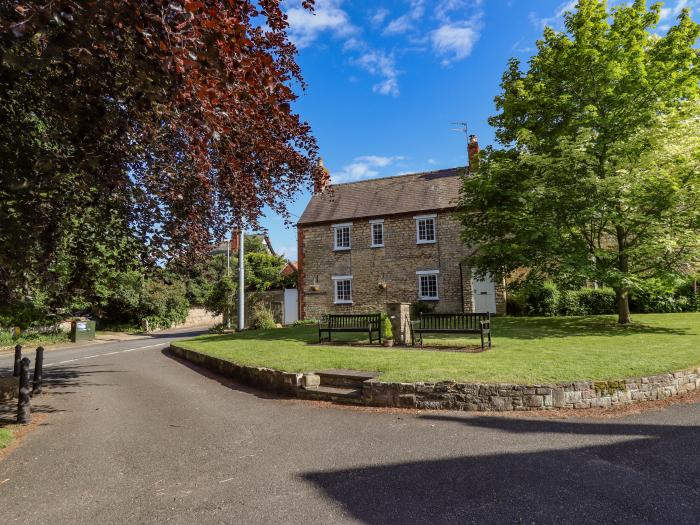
369, 334
489, 340
482, 341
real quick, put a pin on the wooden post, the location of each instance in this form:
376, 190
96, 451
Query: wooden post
23, 407
18, 358
38, 371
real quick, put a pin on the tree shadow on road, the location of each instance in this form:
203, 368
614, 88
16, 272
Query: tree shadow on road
571, 473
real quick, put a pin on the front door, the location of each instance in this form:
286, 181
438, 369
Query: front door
484, 295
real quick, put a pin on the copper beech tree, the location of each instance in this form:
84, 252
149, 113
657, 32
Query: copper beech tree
170, 122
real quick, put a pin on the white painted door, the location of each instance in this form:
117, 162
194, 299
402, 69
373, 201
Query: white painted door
291, 305
484, 295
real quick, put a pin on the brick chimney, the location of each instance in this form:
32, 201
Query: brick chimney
322, 178
473, 149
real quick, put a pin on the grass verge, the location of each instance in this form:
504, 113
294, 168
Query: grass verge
6, 437
526, 351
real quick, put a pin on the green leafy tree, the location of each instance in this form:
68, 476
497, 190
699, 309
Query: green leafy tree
598, 175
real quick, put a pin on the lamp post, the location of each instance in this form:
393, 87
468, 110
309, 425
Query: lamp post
241, 280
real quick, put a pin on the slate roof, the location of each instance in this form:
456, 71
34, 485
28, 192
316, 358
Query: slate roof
418, 192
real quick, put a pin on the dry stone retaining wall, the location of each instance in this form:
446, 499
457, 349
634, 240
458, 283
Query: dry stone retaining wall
469, 397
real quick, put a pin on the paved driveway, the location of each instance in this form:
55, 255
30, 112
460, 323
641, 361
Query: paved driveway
138, 437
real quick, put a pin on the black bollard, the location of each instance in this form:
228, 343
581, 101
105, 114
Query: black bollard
38, 371
23, 408
18, 358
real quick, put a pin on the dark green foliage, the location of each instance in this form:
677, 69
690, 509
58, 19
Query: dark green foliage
421, 307
164, 304
655, 296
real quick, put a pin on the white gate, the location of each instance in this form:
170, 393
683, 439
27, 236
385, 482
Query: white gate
291, 305
484, 295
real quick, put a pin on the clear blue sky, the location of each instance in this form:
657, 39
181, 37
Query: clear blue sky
386, 78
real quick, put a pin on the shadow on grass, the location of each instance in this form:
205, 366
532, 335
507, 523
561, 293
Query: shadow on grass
568, 473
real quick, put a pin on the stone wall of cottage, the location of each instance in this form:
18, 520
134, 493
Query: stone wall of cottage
388, 274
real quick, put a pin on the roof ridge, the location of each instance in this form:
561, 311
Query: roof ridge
396, 176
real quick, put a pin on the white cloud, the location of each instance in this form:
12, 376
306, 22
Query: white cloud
362, 168
328, 16
455, 40
379, 16
669, 14
407, 21
555, 20
378, 63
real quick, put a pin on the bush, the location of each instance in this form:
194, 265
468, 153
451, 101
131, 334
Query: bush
387, 331
164, 305
305, 322
263, 318
540, 298
600, 301
655, 296
421, 307
570, 303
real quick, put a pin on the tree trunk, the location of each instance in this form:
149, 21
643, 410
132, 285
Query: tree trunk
623, 306
622, 292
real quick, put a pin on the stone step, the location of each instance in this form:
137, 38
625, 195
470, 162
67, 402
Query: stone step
345, 378
333, 393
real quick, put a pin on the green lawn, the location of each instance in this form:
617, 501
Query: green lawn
526, 350
5, 437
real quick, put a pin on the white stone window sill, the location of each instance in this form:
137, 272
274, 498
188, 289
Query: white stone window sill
428, 298
342, 302
377, 246
342, 249
426, 242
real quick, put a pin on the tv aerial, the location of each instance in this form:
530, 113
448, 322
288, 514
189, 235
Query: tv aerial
463, 128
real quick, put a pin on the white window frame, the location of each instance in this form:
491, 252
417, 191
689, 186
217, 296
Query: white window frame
428, 273
418, 220
337, 227
339, 279
372, 224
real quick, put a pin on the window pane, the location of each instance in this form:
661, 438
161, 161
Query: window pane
428, 286
426, 229
377, 234
342, 237
343, 291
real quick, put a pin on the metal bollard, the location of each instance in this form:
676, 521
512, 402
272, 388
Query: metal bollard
18, 358
23, 408
38, 371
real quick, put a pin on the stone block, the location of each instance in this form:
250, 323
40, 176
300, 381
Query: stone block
533, 401
407, 400
310, 381
559, 397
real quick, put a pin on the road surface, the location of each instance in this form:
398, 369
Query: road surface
135, 436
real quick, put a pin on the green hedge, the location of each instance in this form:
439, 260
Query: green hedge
546, 299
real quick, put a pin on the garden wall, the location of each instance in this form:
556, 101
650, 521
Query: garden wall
465, 396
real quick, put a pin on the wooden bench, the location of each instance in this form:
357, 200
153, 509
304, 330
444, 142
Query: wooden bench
475, 323
362, 323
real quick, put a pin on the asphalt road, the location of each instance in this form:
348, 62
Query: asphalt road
139, 437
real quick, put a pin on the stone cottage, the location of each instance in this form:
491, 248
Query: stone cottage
364, 245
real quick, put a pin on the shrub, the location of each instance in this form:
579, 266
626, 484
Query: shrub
570, 303
655, 296
542, 299
421, 307
387, 331
305, 322
263, 318
164, 305
600, 301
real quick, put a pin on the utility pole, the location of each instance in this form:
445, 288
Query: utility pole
241, 280
228, 274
